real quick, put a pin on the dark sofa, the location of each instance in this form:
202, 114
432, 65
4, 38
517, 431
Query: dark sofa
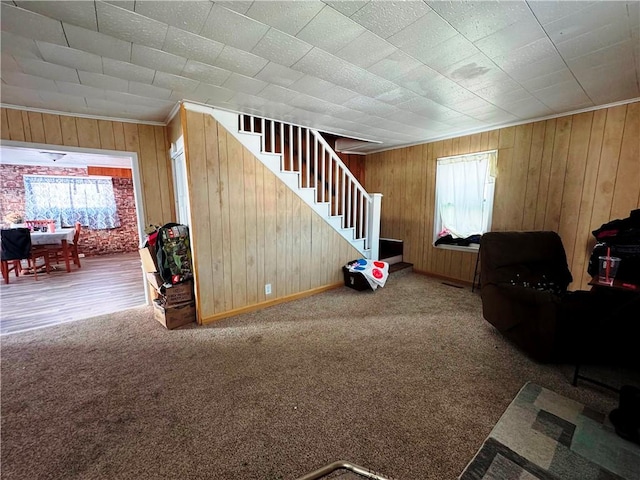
524, 278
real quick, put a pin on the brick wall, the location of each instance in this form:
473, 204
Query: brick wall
92, 242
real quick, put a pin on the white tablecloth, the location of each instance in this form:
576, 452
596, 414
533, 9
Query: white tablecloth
48, 238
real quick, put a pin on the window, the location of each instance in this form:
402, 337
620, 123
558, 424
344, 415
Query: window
464, 195
67, 200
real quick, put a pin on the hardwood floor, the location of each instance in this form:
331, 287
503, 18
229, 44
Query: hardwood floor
104, 284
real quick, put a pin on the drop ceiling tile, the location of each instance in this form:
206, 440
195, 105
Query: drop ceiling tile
369, 105
237, 6
276, 93
128, 71
604, 88
281, 48
97, 43
233, 29
19, 46
25, 80
289, 17
240, 61
510, 38
476, 20
144, 90
80, 90
475, 71
105, 82
447, 53
552, 10
423, 35
243, 101
313, 86
418, 80
9, 63
609, 54
82, 14
318, 63
367, 83
528, 108
586, 20
330, 30
31, 25
45, 70
388, 18
12, 95
338, 95
395, 66
537, 58
396, 96
128, 98
543, 81
62, 101
593, 40
122, 107
241, 83
212, 93
70, 57
347, 8
130, 26
157, 59
175, 82
189, 16
564, 96
278, 75
309, 103
205, 73
126, 4
366, 50
192, 46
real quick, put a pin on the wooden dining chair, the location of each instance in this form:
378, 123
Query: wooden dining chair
56, 253
16, 246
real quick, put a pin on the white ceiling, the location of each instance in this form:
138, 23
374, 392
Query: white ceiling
396, 72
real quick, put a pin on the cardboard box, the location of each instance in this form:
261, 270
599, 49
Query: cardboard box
154, 279
178, 293
176, 315
148, 257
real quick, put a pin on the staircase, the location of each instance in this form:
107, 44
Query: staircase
307, 164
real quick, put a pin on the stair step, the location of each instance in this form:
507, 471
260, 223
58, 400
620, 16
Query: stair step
400, 268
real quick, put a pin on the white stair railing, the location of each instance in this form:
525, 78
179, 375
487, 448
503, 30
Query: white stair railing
304, 151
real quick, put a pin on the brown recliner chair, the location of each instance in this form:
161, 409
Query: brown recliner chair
524, 278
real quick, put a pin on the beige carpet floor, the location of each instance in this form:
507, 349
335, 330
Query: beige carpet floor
406, 381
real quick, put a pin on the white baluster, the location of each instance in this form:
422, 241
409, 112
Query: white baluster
290, 147
308, 159
300, 152
323, 183
252, 124
315, 166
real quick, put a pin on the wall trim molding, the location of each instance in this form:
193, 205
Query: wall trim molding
268, 303
82, 115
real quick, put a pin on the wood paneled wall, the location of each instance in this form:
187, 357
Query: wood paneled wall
250, 229
148, 141
570, 174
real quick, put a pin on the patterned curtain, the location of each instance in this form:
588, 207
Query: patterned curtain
68, 200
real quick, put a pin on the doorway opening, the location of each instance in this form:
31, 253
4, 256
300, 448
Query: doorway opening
111, 278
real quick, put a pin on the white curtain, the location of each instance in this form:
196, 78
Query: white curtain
464, 194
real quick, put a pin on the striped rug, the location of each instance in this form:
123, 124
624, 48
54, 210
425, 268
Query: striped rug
543, 435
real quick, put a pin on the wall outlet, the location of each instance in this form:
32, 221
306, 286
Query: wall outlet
267, 289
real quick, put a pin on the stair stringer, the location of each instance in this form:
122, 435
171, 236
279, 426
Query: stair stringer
253, 143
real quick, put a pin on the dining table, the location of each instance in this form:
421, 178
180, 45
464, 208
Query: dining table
61, 236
